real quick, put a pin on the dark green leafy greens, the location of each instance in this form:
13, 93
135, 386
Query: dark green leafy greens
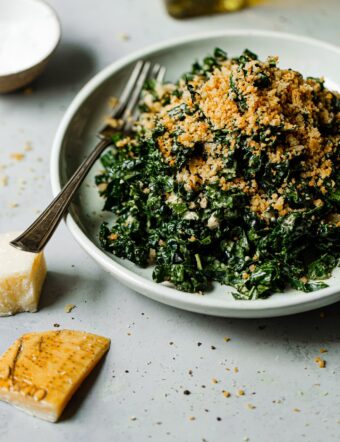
205, 234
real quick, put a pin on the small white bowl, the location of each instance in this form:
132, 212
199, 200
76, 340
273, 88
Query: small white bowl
29, 33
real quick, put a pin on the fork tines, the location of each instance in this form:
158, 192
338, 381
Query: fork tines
129, 99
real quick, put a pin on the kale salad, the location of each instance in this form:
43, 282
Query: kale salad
230, 175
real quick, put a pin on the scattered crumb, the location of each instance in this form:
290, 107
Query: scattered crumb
187, 392
133, 418
28, 147
251, 406
123, 36
199, 344
13, 205
56, 325
297, 410
323, 350
4, 181
235, 369
192, 418
321, 362
214, 381
17, 156
226, 393
113, 102
69, 307
213, 347
218, 419
226, 339
241, 392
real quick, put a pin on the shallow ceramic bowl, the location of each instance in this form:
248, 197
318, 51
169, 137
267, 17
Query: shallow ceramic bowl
76, 136
29, 34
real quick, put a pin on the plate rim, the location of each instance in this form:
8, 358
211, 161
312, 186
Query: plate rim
272, 306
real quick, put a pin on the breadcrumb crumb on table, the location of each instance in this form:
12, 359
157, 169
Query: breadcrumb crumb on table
69, 307
4, 181
123, 36
13, 205
321, 362
17, 156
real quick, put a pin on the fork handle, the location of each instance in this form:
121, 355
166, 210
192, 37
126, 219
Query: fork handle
38, 234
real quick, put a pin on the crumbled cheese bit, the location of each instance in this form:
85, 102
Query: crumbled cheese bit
213, 222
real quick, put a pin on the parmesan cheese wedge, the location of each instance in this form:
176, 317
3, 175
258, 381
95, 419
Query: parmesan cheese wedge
41, 371
22, 275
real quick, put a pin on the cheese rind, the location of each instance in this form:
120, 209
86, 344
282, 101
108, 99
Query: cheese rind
40, 372
22, 276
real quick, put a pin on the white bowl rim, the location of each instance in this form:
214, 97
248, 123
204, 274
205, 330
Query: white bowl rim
188, 301
51, 50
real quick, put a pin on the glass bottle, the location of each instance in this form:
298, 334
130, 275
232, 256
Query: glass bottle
190, 8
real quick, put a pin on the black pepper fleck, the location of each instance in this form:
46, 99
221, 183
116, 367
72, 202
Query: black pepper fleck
187, 392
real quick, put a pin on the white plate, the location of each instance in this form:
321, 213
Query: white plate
77, 135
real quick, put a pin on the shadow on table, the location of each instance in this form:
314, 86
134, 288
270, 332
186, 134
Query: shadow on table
59, 285
293, 332
315, 327
83, 392
71, 65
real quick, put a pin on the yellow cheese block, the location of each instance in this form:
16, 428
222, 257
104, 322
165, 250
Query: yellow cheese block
22, 275
40, 372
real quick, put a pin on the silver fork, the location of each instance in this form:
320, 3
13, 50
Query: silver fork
38, 234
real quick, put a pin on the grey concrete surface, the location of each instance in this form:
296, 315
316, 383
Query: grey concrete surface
136, 394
